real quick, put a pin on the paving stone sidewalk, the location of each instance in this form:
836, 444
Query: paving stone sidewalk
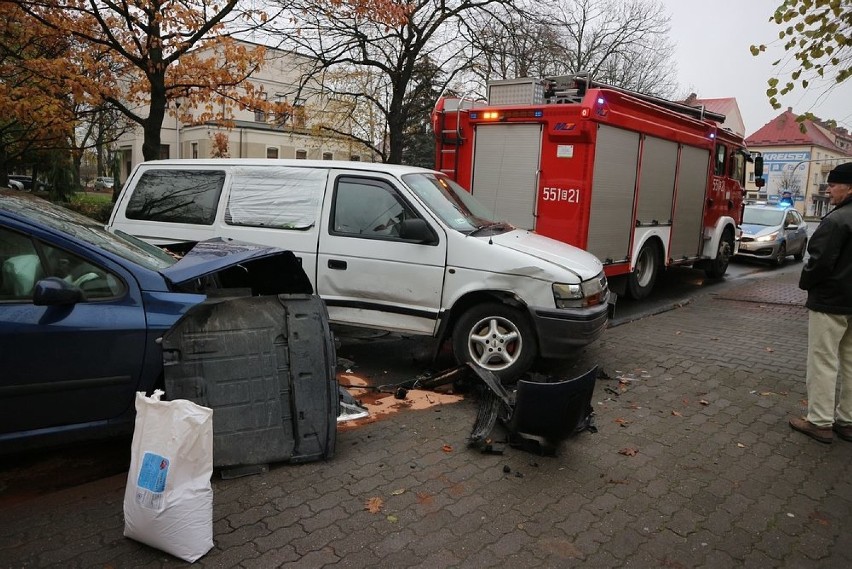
693, 465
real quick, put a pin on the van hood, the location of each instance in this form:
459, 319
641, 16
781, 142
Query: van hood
217, 256
582, 263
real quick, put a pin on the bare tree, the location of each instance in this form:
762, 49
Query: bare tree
385, 53
622, 43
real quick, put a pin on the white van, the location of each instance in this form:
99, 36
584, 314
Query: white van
390, 247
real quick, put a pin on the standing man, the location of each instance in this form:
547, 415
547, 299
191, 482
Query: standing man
827, 277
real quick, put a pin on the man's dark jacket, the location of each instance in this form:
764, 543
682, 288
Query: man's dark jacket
827, 276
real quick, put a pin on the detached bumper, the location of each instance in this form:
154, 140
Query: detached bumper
561, 331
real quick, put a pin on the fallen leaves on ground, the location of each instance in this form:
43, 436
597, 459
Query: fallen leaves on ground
703, 402
374, 505
622, 421
447, 448
677, 413
628, 451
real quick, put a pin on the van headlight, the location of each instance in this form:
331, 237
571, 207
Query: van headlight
588, 293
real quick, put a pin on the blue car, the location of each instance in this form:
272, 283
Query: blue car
82, 312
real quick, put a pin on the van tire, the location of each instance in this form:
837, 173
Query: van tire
496, 337
641, 279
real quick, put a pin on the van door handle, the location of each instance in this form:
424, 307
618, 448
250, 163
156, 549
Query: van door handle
335, 264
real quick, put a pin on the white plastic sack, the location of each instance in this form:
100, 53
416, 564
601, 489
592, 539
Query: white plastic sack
168, 502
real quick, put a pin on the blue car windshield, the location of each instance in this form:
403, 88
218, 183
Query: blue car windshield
450, 202
89, 231
763, 216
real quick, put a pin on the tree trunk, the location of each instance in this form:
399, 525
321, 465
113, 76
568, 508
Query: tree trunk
153, 125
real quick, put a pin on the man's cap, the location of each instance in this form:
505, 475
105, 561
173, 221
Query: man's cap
841, 174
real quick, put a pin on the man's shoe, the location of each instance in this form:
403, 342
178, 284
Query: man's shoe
821, 434
843, 431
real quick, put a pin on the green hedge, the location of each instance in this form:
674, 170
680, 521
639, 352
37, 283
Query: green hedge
96, 206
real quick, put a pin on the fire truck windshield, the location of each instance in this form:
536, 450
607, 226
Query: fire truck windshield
450, 202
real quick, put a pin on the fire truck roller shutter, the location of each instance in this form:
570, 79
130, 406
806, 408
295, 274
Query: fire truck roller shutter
613, 187
505, 170
687, 227
656, 181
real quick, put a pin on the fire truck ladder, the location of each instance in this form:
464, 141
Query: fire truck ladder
572, 88
451, 138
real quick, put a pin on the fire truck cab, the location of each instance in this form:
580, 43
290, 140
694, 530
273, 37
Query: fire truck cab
641, 182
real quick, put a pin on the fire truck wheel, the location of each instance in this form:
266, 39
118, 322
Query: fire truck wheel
644, 275
496, 337
717, 267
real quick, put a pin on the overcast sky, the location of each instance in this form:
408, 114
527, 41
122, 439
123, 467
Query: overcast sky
712, 42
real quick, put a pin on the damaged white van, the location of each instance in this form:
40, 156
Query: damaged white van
390, 247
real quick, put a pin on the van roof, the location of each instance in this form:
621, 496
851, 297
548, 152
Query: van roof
394, 169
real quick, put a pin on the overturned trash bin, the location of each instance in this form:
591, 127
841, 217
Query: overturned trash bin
266, 366
538, 415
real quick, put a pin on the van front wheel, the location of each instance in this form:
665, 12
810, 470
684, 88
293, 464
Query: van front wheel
496, 337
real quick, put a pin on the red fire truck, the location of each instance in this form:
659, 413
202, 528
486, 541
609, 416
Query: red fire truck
641, 182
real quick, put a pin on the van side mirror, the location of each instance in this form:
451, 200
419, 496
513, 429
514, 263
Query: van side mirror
416, 230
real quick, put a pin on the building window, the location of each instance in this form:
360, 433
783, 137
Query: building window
272, 152
194, 149
299, 113
164, 152
751, 177
260, 114
301, 155
354, 158
327, 156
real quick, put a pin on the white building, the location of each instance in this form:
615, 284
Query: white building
255, 134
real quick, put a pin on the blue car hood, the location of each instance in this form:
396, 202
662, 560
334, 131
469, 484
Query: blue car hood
215, 255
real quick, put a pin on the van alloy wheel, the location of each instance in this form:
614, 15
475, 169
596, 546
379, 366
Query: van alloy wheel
495, 337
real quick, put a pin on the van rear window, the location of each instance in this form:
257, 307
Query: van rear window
177, 196
278, 197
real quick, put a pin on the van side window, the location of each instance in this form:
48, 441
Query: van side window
177, 196
283, 198
367, 208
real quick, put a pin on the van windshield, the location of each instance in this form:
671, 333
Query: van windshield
450, 202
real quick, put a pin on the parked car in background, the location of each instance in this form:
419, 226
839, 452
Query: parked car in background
16, 185
104, 183
82, 311
29, 183
25, 181
772, 233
